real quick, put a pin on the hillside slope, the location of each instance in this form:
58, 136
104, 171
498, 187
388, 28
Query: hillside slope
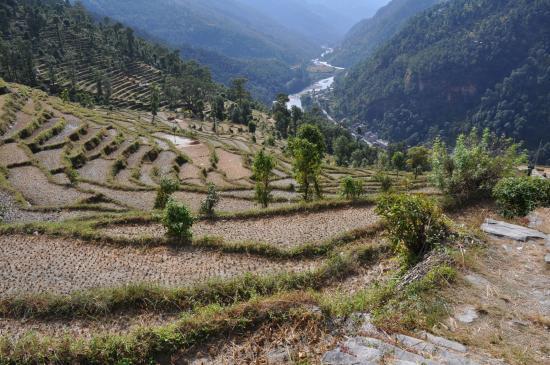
461, 64
57, 46
366, 36
226, 27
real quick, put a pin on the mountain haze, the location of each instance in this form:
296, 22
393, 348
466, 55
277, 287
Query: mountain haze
366, 36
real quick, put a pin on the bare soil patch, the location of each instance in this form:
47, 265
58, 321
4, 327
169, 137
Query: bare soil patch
51, 159
284, 231
232, 165
165, 162
508, 288
96, 170
135, 158
199, 153
189, 171
12, 154
83, 328
38, 264
36, 188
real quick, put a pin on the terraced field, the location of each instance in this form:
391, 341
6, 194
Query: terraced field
286, 231
93, 260
35, 264
120, 156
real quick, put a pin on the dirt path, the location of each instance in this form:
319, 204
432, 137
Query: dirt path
505, 299
284, 231
38, 264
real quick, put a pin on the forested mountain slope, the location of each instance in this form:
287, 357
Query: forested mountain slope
366, 36
57, 46
464, 63
224, 26
232, 39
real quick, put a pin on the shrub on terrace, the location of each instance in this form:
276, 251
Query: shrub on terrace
475, 166
384, 179
166, 188
177, 220
351, 188
518, 196
262, 168
415, 224
212, 199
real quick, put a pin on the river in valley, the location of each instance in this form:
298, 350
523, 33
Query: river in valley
324, 84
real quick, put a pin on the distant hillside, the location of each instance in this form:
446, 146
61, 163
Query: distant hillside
229, 37
57, 46
343, 14
225, 26
366, 36
463, 63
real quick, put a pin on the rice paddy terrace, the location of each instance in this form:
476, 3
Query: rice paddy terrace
85, 256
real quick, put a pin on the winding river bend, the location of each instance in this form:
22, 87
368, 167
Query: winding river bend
324, 84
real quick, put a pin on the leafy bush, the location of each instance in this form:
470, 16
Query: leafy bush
475, 166
351, 188
262, 168
166, 188
415, 224
385, 181
212, 199
518, 196
177, 220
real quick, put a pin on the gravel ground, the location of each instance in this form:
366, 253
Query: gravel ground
217, 179
165, 161
11, 154
144, 200
232, 165
96, 170
38, 264
284, 231
189, 171
51, 159
199, 153
83, 328
36, 188
135, 158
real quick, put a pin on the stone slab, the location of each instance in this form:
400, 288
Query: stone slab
515, 232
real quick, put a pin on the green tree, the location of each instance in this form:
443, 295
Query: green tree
262, 168
418, 159
351, 188
238, 92
306, 165
177, 220
218, 108
212, 199
166, 188
342, 150
282, 115
399, 161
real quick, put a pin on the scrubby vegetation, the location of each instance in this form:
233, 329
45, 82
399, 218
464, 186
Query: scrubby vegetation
475, 166
519, 196
415, 224
166, 188
351, 188
262, 169
177, 220
209, 203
